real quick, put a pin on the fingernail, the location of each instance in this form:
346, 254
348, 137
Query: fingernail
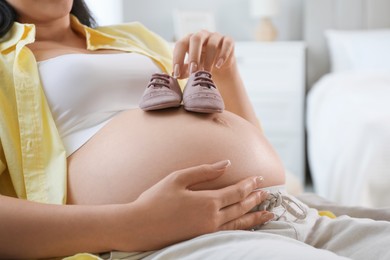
193, 67
269, 215
221, 165
176, 71
259, 179
219, 63
264, 193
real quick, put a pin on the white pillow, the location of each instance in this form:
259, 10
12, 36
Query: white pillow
355, 50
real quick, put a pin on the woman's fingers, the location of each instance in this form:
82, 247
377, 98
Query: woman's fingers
204, 49
195, 49
179, 54
240, 191
192, 45
198, 174
248, 221
226, 51
238, 199
211, 50
238, 209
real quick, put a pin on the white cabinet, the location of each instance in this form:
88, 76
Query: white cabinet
274, 75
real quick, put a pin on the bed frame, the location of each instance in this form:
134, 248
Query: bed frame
320, 15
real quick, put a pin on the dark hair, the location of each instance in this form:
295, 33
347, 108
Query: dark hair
8, 15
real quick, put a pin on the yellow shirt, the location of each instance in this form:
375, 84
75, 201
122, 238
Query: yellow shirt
32, 156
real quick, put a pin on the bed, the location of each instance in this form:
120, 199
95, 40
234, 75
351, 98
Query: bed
348, 101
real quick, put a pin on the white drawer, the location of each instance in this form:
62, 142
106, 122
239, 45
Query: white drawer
290, 151
273, 75
276, 67
271, 49
280, 113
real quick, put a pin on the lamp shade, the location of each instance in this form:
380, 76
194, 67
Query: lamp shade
264, 8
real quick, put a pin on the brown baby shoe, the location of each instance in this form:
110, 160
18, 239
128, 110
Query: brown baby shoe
201, 95
163, 91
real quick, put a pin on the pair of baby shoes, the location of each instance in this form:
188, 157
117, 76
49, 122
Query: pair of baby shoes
200, 94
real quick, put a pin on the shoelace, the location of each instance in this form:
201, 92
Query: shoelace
159, 80
278, 199
203, 78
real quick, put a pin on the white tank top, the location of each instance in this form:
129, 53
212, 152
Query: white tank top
85, 91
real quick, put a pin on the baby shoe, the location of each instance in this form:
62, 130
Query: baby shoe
163, 91
201, 95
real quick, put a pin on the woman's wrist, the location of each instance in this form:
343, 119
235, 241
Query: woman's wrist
124, 229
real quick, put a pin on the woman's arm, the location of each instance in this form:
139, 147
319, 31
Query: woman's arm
234, 93
35, 230
167, 213
215, 53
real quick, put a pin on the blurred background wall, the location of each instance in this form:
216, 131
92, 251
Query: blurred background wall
232, 17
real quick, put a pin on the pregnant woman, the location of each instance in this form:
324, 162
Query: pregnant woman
82, 169
114, 153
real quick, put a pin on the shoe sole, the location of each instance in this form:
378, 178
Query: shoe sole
161, 106
203, 110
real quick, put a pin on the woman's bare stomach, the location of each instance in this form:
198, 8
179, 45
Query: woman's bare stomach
136, 149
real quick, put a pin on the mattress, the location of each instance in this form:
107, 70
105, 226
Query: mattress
348, 127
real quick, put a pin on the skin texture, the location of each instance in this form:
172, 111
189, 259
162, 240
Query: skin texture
137, 224
137, 149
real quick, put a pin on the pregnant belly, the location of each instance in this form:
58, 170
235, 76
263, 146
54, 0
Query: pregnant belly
137, 149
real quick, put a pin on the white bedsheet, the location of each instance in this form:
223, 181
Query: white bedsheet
348, 124
226, 245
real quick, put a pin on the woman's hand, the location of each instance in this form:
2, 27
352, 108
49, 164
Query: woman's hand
208, 51
171, 212
214, 52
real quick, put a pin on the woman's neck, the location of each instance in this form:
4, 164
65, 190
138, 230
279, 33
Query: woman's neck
58, 30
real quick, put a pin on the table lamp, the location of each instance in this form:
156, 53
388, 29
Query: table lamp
265, 10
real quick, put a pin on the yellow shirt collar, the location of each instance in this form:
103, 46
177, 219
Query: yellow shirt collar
23, 32
18, 32
94, 38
